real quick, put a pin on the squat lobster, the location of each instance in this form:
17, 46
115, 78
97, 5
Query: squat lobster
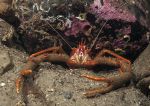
80, 58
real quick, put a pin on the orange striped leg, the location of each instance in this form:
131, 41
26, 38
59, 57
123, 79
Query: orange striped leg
25, 72
18, 84
96, 78
52, 49
20, 79
113, 54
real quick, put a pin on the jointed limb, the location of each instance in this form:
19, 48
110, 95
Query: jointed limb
103, 52
113, 83
49, 50
36, 58
124, 67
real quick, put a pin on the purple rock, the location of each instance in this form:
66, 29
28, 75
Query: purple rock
109, 12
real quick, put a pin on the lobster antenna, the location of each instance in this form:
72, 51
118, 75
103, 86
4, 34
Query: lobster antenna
98, 34
102, 28
60, 35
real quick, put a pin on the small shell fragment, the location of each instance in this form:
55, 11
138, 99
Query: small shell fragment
2, 84
52, 90
127, 37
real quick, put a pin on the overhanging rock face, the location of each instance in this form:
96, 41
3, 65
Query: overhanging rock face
141, 70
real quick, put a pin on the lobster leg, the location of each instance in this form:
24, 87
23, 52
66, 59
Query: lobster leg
105, 51
49, 50
96, 78
95, 91
18, 81
27, 70
113, 82
33, 62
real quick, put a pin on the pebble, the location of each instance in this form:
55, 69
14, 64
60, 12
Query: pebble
51, 90
2, 84
68, 95
8, 81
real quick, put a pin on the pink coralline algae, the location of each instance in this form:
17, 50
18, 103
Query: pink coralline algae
108, 12
78, 26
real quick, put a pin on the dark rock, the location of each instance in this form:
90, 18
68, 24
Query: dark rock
144, 85
5, 62
7, 13
8, 35
6, 32
4, 7
124, 97
141, 70
141, 9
